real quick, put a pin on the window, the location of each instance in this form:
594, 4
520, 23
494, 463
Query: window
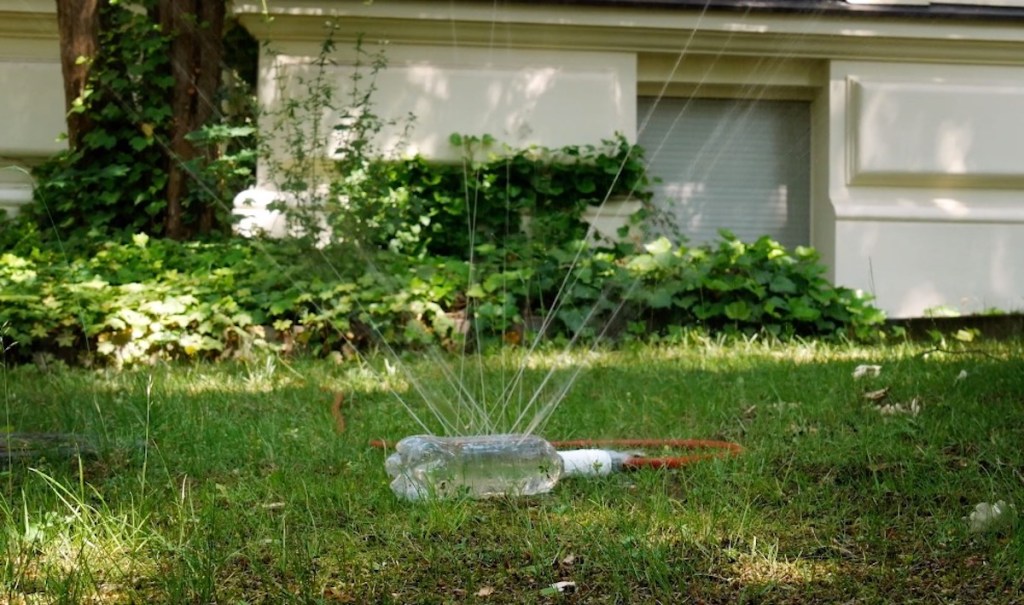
735, 164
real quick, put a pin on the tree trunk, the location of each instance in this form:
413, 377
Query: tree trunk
78, 28
196, 28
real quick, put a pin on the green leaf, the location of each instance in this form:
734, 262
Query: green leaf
642, 264
586, 186
805, 253
782, 285
140, 143
965, 335
774, 305
659, 299
6, 297
208, 343
495, 282
165, 307
65, 339
738, 311
281, 306
659, 246
134, 318
802, 310
707, 310
687, 301
116, 323
573, 318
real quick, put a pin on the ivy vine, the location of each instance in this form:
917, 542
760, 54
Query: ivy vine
114, 183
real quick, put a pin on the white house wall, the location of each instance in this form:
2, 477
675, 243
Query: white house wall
31, 95
41, 96
926, 184
520, 97
917, 173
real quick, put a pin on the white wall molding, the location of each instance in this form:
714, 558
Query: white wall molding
24, 24
923, 166
937, 130
645, 29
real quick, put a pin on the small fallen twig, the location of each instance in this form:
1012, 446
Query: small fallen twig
339, 420
877, 395
864, 370
23, 446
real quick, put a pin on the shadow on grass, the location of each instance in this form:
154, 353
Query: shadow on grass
242, 486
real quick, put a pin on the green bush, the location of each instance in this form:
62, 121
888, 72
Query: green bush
485, 201
113, 183
419, 207
369, 197
157, 299
747, 287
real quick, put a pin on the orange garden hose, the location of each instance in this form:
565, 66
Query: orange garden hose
714, 449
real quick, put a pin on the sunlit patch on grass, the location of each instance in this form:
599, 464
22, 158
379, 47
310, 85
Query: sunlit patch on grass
253, 496
85, 552
763, 566
561, 360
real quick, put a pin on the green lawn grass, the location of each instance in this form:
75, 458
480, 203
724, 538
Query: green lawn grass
232, 484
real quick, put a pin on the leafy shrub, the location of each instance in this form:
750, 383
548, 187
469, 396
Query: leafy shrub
440, 246
747, 287
114, 182
419, 207
372, 198
486, 201
158, 299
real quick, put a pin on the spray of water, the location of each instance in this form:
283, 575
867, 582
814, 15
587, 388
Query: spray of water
465, 406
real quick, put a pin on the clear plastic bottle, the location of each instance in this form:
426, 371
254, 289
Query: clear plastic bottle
426, 466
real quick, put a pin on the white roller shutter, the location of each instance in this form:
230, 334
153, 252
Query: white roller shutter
734, 164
